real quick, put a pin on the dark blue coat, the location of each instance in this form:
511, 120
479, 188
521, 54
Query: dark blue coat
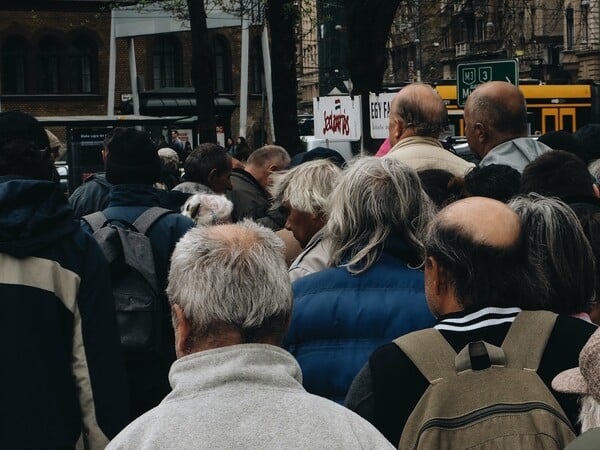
148, 380
339, 319
61, 361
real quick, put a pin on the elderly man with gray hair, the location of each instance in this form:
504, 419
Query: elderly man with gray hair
233, 387
302, 193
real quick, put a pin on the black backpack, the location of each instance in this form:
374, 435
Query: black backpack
139, 303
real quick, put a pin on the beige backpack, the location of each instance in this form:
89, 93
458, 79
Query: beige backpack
504, 406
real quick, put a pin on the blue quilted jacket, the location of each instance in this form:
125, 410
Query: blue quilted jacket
339, 319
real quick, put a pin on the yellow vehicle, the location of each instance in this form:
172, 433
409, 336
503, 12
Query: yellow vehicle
550, 107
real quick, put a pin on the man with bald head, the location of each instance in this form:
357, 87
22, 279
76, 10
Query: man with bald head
475, 278
418, 116
496, 126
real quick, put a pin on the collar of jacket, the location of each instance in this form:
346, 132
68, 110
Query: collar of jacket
133, 195
247, 176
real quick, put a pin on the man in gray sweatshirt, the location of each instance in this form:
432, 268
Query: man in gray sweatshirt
233, 386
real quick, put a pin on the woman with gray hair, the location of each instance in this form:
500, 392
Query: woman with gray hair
559, 254
374, 291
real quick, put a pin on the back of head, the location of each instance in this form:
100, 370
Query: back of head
563, 140
435, 183
269, 154
478, 242
169, 159
307, 186
558, 174
23, 147
559, 252
495, 181
589, 136
318, 153
203, 159
232, 276
132, 157
376, 198
501, 107
422, 109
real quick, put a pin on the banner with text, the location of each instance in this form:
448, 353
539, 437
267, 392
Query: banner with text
379, 114
337, 118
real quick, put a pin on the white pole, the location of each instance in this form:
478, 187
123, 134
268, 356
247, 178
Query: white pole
268, 80
244, 75
112, 66
133, 76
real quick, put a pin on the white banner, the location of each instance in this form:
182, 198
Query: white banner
379, 113
337, 118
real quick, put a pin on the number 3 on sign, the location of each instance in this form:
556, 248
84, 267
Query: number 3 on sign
485, 74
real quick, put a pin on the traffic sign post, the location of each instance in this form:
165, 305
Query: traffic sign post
470, 75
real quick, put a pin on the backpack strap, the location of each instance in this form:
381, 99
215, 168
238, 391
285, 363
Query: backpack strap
437, 362
143, 223
527, 337
95, 220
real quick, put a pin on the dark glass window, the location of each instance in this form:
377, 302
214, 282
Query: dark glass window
14, 66
570, 28
82, 58
47, 67
222, 65
256, 67
166, 63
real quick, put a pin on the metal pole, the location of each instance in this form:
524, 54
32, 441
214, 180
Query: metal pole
268, 80
112, 66
133, 76
244, 75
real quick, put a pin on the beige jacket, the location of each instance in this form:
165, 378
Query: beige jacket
423, 153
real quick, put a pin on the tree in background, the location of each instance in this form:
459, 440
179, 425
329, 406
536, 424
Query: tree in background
368, 23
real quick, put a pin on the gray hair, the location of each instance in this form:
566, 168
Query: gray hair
208, 209
169, 158
426, 115
559, 252
234, 276
594, 168
307, 186
268, 153
376, 198
589, 414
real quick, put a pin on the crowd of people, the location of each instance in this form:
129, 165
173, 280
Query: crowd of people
413, 300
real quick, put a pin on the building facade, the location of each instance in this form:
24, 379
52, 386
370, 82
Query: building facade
54, 61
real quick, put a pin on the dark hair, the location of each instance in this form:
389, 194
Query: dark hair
435, 183
203, 159
482, 275
563, 140
589, 137
132, 157
557, 174
495, 181
25, 158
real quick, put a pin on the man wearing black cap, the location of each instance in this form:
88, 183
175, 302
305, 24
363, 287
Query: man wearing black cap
132, 167
62, 373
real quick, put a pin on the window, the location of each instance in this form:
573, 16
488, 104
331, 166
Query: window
222, 65
48, 67
166, 63
14, 67
82, 61
570, 31
256, 67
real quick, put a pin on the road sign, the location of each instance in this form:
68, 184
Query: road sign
470, 75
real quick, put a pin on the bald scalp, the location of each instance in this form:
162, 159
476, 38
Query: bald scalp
501, 107
484, 220
421, 107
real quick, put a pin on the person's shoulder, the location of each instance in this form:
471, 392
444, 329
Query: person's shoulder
572, 329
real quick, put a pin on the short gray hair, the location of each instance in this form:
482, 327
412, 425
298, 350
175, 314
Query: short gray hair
232, 275
264, 155
559, 252
208, 209
594, 168
307, 186
589, 414
376, 198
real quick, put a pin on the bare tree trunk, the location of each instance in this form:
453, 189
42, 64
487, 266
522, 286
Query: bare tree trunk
202, 73
282, 16
368, 23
